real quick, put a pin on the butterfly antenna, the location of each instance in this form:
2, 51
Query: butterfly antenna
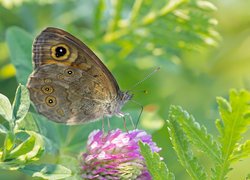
148, 76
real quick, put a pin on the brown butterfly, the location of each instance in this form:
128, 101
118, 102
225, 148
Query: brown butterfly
69, 83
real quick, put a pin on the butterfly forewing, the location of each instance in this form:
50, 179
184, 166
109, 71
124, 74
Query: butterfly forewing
69, 83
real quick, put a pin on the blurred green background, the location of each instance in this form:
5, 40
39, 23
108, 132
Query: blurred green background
202, 54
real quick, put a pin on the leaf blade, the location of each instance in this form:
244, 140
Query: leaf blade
21, 103
183, 151
232, 125
47, 171
5, 108
156, 167
20, 43
196, 133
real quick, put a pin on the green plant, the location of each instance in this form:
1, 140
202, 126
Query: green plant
189, 137
136, 35
23, 145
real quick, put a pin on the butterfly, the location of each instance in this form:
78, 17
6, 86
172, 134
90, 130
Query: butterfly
70, 84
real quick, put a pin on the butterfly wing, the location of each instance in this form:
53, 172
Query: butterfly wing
69, 84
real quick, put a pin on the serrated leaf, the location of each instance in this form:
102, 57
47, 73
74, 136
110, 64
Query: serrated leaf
232, 125
20, 44
143, 22
5, 108
196, 133
157, 168
183, 150
47, 171
233, 118
21, 103
241, 151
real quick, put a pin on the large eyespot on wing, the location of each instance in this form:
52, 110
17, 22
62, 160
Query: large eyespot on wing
60, 52
85, 59
53, 48
61, 59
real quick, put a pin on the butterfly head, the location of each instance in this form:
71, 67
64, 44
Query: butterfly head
125, 97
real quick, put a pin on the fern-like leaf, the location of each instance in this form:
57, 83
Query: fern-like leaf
160, 26
182, 148
232, 125
156, 167
196, 134
241, 151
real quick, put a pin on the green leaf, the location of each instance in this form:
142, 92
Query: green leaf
28, 146
47, 171
232, 125
9, 143
28, 123
21, 103
174, 16
183, 150
240, 152
38, 148
22, 148
196, 133
235, 119
5, 108
156, 167
3, 129
29, 149
20, 44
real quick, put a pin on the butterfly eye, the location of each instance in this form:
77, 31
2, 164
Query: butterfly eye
60, 52
50, 101
47, 89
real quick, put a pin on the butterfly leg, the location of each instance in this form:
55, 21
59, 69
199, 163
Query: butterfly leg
103, 124
109, 127
131, 120
124, 123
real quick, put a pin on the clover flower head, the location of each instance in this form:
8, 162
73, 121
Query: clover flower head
116, 155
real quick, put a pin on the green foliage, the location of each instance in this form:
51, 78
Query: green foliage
235, 119
22, 145
131, 35
241, 151
21, 103
195, 134
232, 125
20, 43
5, 108
156, 167
47, 171
182, 148
178, 36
